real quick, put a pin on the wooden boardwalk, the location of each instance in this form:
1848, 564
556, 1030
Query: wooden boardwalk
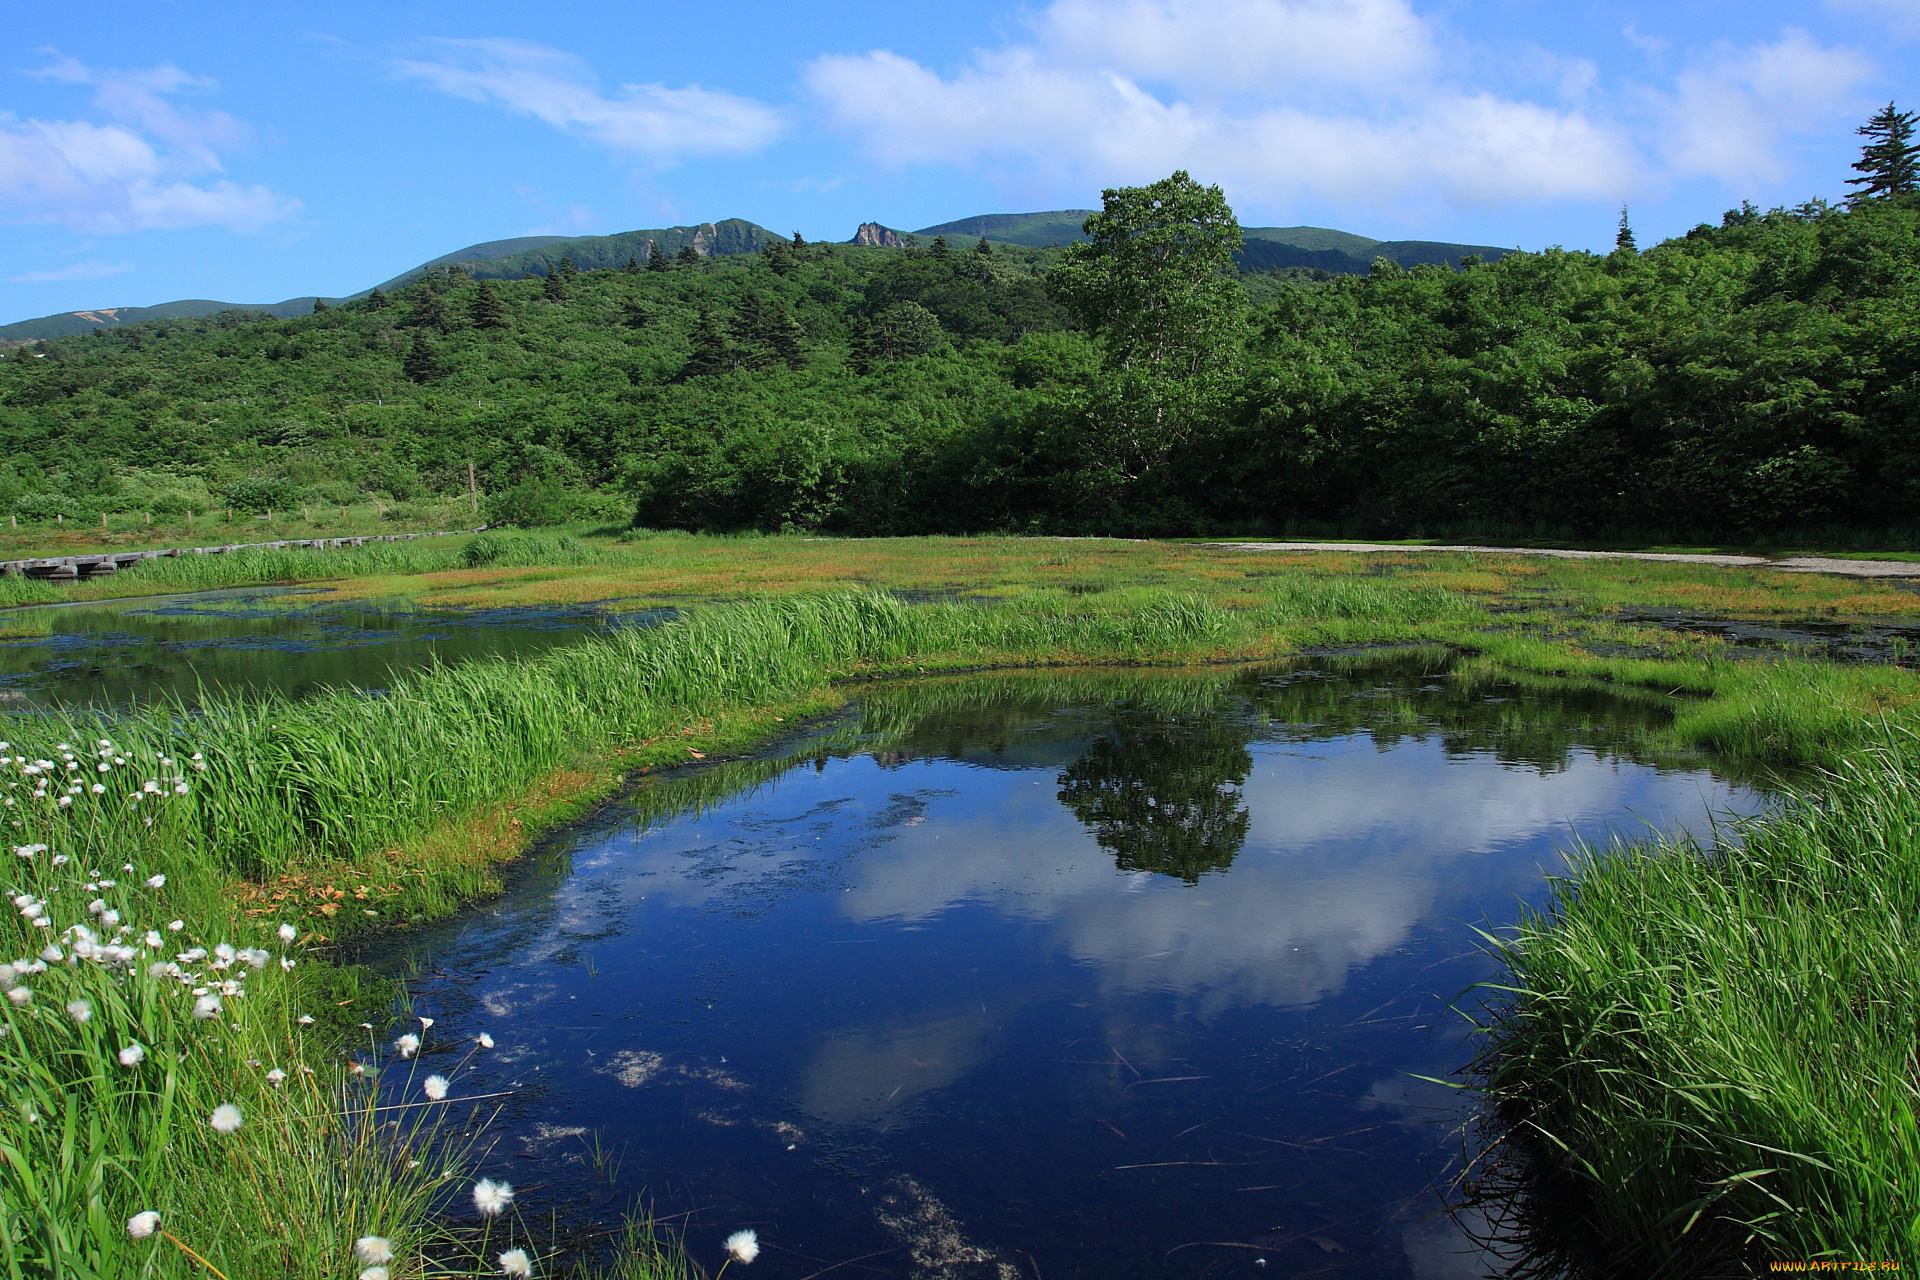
97, 564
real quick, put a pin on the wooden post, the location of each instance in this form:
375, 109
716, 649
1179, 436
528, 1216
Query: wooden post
149, 516
103, 519
306, 514
189, 517
473, 489
58, 518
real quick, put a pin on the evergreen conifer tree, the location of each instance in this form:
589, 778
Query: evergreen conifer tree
554, 287
688, 254
779, 255
567, 270
376, 301
799, 243
784, 339
423, 362
749, 326
939, 247
488, 311
1889, 164
984, 249
711, 351
429, 309
1623, 239
636, 314
656, 260
632, 267
319, 305
860, 346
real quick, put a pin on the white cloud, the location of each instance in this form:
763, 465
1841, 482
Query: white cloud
1279, 100
1731, 113
78, 271
1902, 15
146, 167
1344, 101
644, 121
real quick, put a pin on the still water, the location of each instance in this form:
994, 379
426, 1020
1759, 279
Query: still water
1042, 976
256, 639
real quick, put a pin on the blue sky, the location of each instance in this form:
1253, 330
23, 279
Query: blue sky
161, 149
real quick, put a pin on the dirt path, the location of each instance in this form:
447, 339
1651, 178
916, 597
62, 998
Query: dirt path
1791, 564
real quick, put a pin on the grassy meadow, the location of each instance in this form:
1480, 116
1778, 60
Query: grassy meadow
161, 861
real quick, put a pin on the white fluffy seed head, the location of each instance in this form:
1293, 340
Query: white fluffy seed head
492, 1198
486, 1041
287, 933
436, 1087
406, 1046
514, 1262
206, 1008
133, 1055
376, 1273
142, 1225
744, 1246
225, 1118
373, 1250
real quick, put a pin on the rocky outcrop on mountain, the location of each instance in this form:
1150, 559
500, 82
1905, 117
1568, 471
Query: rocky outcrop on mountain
878, 236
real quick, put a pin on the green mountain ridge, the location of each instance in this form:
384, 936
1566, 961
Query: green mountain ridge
1266, 249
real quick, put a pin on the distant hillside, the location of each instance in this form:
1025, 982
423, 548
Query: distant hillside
491, 259
1267, 248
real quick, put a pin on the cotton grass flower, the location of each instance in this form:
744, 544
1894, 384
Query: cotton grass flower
426, 1023
373, 1250
133, 1055
275, 1077
376, 1273
79, 1010
156, 882
486, 1041
436, 1087
225, 1118
142, 1225
492, 1198
408, 1045
514, 1262
743, 1247
206, 1008
287, 933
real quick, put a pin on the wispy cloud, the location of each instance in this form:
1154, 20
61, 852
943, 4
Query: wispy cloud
1345, 101
1902, 15
646, 122
144, 163
77, 271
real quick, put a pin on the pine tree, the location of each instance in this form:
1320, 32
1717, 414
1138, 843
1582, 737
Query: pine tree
749, 326
656, 260
799, 243
688, 254
376, 301
632, 267
779, 255
488, 311
554, 287
636, 314
939, 248
984, 249
1889, 164
423, 362
567, 271
319, 305
784, 339
711, 351
1623, 239
429, 309
860, 346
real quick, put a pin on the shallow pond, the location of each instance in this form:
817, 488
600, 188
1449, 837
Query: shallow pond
1042, 976
255, 639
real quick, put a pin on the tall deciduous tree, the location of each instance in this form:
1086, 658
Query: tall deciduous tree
1889, 164
488, 311
1154, 282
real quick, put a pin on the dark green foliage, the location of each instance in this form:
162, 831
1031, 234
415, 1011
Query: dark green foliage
984, 249
688, 255
423, 362
656, 259
319, 305
632, 266
488, 311
566, 269
1751, 378
375, 301
532, 503
1623, 238
712, 353
553, 286
1889, 164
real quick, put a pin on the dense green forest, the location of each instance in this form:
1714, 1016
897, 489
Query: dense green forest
1756, 378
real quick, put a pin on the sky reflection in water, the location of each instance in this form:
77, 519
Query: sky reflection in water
1050, 975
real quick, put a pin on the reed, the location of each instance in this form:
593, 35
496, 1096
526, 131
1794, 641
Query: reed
1704, 1057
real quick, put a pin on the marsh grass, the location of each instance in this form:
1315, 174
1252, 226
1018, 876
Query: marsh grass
1703, 1057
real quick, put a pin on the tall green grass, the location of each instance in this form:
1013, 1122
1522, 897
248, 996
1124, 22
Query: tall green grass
1708, 1058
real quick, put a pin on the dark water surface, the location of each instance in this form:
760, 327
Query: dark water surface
257, 639
1043, 976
